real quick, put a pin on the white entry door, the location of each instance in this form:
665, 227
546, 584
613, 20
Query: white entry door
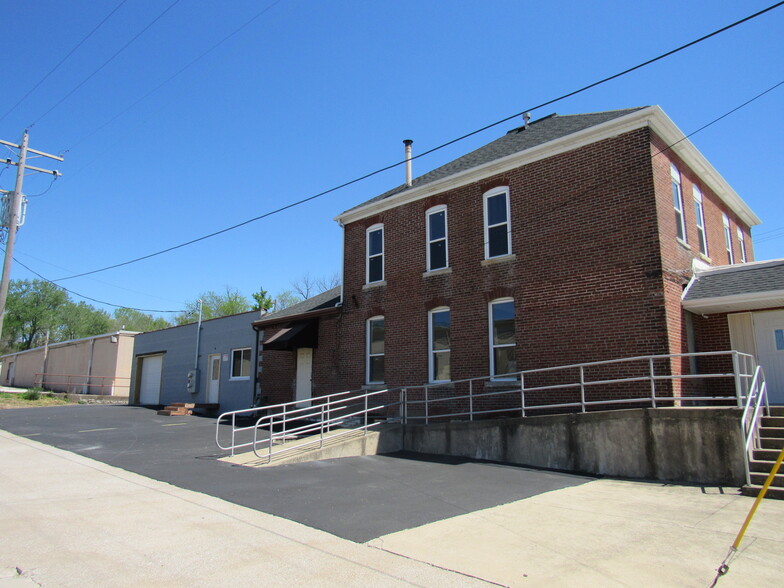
213, 383
150, 384
769, 336
304, 376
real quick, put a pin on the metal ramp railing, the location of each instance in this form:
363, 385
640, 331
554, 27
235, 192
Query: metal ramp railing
634, 381
755, 408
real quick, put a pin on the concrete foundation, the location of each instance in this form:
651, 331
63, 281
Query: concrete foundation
688, 445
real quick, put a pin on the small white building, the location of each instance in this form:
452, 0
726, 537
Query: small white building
93, 365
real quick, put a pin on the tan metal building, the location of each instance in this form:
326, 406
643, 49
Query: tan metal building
93, 365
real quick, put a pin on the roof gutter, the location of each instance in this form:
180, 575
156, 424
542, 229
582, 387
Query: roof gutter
295, 317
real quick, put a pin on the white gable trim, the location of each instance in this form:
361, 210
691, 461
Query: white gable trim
653, 117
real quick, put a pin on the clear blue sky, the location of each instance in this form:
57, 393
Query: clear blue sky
312, 94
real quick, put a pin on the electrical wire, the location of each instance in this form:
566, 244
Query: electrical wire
71, 52
354, 181
107, 62
54, 179
32, 271
173, 76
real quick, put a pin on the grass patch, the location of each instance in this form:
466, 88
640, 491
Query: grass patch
31, 398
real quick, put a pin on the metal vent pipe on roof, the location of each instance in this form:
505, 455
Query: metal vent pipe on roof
526, 118
408, 143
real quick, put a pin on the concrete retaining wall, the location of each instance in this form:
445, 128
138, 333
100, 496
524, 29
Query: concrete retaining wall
688, 445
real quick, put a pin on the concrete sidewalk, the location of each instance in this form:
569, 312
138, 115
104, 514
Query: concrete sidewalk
66, 520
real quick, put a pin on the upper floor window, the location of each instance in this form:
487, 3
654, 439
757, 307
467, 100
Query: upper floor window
742, 242
498, 228
440, 339
699, 215
375, 254
240, 363
375, 350
437, 250
728, 238
677, 201
502, 337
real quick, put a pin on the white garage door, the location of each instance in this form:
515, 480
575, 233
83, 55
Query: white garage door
150, 385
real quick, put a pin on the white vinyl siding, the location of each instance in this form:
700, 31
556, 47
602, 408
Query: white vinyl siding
437, 238
498, 227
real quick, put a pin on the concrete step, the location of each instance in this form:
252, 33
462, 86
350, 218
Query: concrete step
765, 454
758, 478
771, 442
771, 432
777, 411
175, 411
773, 421
183, 404
753, 490
761, 465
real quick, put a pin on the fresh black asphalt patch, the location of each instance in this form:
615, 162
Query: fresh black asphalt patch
358, 498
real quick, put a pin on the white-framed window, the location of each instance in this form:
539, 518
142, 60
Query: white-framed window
437, 238
699, 215
742, 242
375, 254
440, 344
728, 238
677, 201
502, 337
375, 350
498, 228
240, 363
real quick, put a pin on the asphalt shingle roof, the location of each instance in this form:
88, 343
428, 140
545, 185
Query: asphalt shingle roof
737, 280
326, 299
538, 132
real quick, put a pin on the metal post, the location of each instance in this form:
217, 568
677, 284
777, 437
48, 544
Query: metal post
582, 388
522, 394
471, 400
366, 413
198, 336
427, 407
652, 374
233, 429
736, 370
322, 427
283, 428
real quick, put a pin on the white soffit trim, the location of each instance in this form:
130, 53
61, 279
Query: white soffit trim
739, 302
653, 117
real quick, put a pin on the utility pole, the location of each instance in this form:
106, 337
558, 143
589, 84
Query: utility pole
14, 208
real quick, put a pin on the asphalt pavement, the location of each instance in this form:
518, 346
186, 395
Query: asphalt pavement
358, 498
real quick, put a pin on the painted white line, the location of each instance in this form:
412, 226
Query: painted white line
94, 430
174, 424
30, 435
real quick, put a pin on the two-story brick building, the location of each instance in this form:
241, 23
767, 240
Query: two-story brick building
569, 239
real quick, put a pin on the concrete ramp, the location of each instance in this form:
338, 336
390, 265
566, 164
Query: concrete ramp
337, 443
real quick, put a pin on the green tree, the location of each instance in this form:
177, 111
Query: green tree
128, 319
263, 300
32, 308
214, 305
285, 299
77, 320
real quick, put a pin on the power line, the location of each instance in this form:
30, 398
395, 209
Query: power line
173, 76
32, 271
71, 52
107, 62
443, 145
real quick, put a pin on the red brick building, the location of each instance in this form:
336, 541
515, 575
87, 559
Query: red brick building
569, 239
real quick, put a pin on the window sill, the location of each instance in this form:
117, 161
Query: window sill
448, 384
683, 244
239, 379
374, 387
499, 259
374, 285
705, 258
439, 272
502, 383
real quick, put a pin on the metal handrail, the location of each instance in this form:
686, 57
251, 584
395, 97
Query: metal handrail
329, 411
757, 398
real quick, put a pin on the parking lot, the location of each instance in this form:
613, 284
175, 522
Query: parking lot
354, 498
